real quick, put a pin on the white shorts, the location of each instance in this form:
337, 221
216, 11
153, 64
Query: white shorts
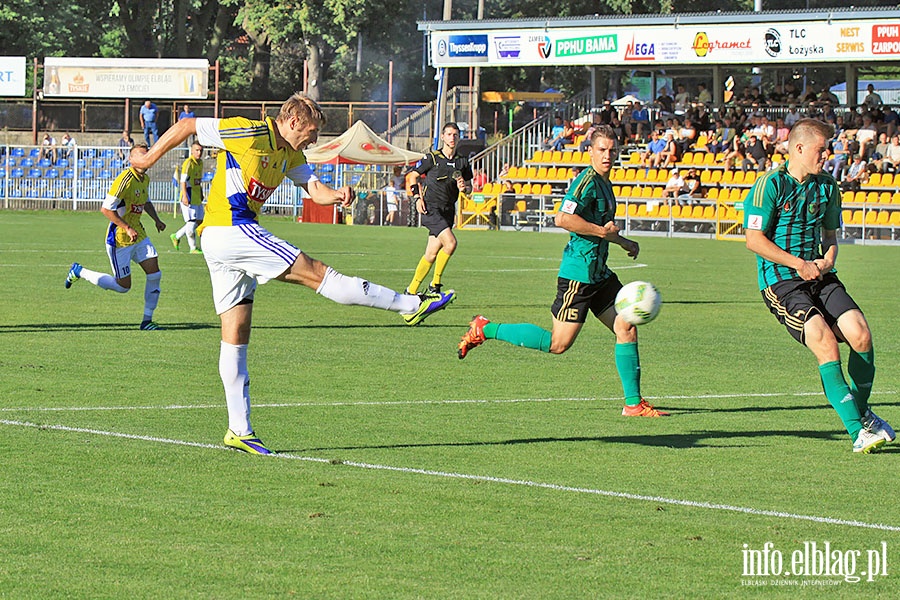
192, 212
120, 258
241, 256
392, 207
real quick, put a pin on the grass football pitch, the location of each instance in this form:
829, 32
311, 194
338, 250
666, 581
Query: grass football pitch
404, 472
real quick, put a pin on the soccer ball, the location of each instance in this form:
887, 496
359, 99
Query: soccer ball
638, 302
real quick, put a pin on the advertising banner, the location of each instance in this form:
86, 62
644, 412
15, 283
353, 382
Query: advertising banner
12, 75
821, 41
181, 79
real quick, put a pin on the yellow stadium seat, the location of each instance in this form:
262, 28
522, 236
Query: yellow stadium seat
895, 199
730, 214
541, 173
705, 176
517, 188
777, 158
701, 142
859, 197
884, 217
521, 206
716, 177
531, 174
709, 213
653, 213
895, 218
620, 210
687, 159
888, 179
526, 189
617, 190
697, 213
556, 157
657, 191
647, 192
728, 177
874, 180
618, 174
513, 173
570, 174
626, 191
857, 217
641, 175
884, 198
721, 213
750, 177
488, 189
744, 193
642, 210
586, 158
538, 156
575, 157
872, 197
630, 174
738, 178
551, 173
871, 217
698, 158
712, 193
734, 195
635, 157
664, 211
846, 215
632, 210
709, 159
662, 176
847, 197
546, 190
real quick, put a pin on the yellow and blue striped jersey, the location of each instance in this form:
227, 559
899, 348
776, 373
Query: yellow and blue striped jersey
249, 168
127, 196
192, 176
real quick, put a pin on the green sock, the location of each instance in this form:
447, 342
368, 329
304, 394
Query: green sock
861, 370
520, 334
838, 394
628, 364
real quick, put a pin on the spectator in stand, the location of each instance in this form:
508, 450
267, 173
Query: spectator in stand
701, 118
704, 98
478, 180
640, 118
607, 111
790, 92
652, 156
148, 115
755, 155
125, 143
555, 133
891, 161
782, 131
792, 116
692, 191
756, 97
187, 113
889, 120
617, 127
857, 175
720, 141
776, 97
735, 153
872, 99
674, 186
865, 135
687, 136
670, 154
765, 130
567, 137
682, 99
596, 121
48, 147
826, 96
839, 151
665, 102
67, 150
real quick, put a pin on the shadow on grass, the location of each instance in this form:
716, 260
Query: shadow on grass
71, 327
696, 439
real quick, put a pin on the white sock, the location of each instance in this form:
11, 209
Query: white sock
236, 379
151, 294
355, 291
182, 232
102, 280
191, 227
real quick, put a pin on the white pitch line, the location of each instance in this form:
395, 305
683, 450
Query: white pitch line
484, 478
9, 409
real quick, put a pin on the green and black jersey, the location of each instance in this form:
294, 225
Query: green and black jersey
792, 214
584, 258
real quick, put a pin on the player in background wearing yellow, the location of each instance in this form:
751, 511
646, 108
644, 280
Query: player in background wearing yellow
256, 157
126, 240
446, 175
191, 198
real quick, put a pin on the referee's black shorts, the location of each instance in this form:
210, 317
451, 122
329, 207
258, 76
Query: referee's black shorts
438, 219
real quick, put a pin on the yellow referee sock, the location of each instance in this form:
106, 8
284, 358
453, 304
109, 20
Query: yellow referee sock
421, 272
439, 265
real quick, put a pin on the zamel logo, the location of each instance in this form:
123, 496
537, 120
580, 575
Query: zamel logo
701, 44
508, 46
545, 47
640, 51
773, 42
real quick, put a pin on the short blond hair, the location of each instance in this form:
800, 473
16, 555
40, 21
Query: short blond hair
806, 128
304, 108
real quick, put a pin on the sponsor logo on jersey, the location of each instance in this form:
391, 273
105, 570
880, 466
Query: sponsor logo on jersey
755, 222
258, 192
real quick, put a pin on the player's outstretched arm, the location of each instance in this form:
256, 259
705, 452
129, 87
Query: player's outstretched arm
322, 194
151, 210
172, 138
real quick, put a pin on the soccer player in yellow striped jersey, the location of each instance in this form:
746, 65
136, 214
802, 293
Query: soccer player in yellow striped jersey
791, 220
191, 193
126, 240
255, 157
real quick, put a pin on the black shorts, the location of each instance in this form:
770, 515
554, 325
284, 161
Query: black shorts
438, 219
794, 301
573, 298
